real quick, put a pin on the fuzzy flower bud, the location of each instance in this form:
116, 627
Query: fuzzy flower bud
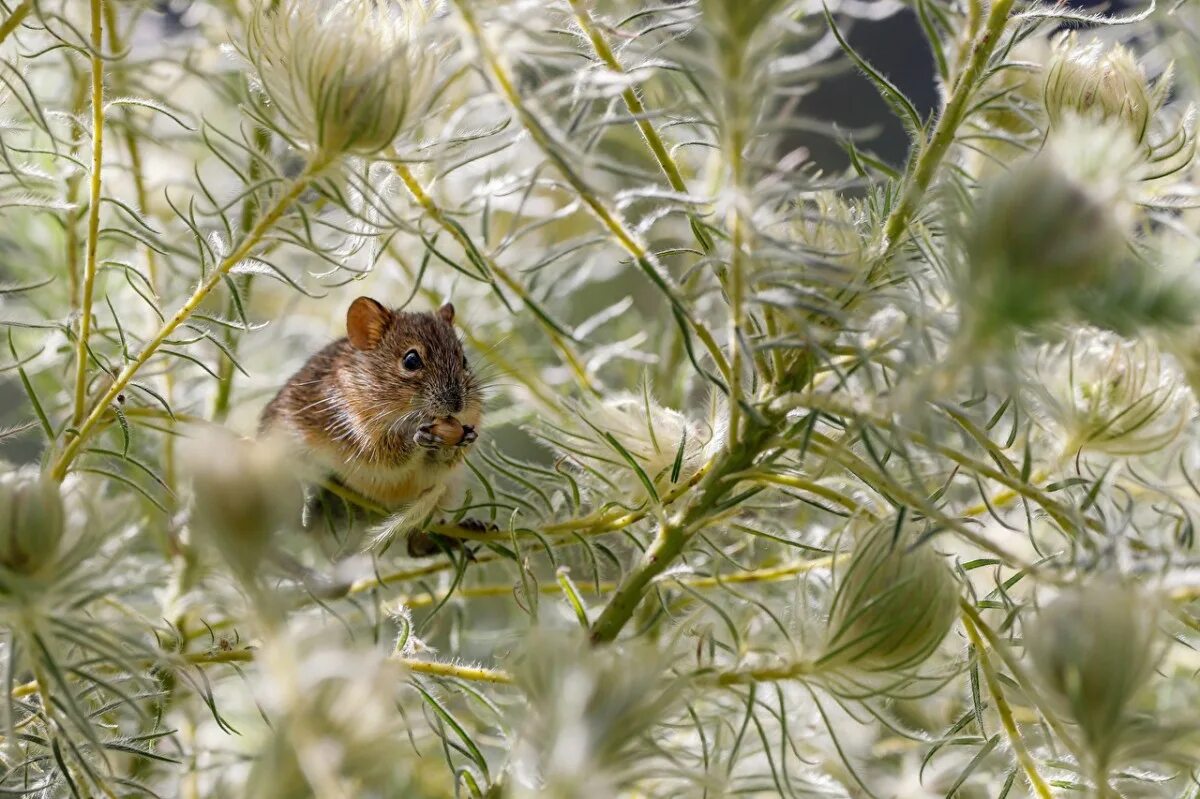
1107, 394
31, 521
1098, 83
624, 435
893, 605
1049, 241
1093, 648
334, 730
345, 76
585, 711
244, 492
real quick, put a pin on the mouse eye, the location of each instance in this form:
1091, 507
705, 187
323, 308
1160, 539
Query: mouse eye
412, 361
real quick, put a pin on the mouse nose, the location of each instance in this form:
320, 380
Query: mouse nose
452, 398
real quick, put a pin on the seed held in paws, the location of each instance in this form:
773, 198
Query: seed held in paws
449, 432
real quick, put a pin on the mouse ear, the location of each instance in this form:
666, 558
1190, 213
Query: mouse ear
447, 313
366, 322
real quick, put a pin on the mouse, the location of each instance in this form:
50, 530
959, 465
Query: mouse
390, 410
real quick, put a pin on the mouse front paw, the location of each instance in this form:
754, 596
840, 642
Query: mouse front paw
426, 438
469, 436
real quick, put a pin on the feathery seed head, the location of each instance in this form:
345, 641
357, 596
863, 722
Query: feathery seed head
1098, 83
1112, 395
345, 76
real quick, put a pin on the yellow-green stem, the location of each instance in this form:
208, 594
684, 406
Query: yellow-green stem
15, 19
93, 220
933, 152
637, 110
1019, 675
470, 673
134, 147
565, 350
264, 224
615, 226
737, 289
1005, 712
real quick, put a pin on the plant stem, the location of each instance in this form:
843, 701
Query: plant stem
1019, 675
637, 110
470, 673
932, 154
1005, 712
565, 350
765, 575
264, 224
15, 19
674, 535
93, 224
609, 219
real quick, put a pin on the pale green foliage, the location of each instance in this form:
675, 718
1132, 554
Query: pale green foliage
797, 480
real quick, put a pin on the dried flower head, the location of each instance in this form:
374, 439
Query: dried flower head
345, 76
1093, 648
893, 605
1098, 82
1107, 394
244, 492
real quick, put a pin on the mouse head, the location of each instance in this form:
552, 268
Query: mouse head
415, 359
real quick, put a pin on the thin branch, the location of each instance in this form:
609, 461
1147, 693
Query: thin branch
264, 224
93, 223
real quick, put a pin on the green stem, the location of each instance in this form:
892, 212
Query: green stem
674, 536
1019, 675
1005, 712
15, 19
93, 223
637, 110
264, 224
932, 154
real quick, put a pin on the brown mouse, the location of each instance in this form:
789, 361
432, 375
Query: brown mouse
389, 410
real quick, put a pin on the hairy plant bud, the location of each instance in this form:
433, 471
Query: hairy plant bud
1107, 394
345, 76
1039, 241
31, 520
666, 446
244, 492
1093, 647
1098, 83
893, 605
